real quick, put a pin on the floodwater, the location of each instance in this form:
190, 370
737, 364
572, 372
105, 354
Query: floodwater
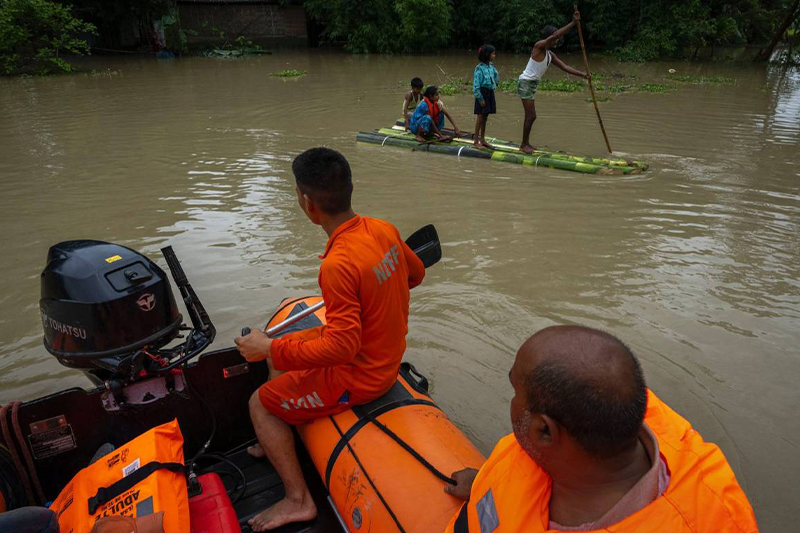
694, 263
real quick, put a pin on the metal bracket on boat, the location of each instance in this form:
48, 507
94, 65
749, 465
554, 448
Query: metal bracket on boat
338, 515
141, 393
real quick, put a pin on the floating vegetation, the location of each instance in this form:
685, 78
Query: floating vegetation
616, 88
105, 73
508, 86
454, 86
564, 86
610, 84
700, 80
654, 88
289, 73
448, 89
602, 76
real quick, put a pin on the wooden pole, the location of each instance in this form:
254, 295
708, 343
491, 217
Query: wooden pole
591, 87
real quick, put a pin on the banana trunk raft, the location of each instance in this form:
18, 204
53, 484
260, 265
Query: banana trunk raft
503, 151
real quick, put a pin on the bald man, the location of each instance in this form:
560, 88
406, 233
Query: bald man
594, 450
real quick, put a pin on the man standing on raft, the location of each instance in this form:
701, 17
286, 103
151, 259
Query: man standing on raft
540, 59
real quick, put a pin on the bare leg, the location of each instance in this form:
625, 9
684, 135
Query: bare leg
480, 120
256, 450
483, 133
277, 441
530, 117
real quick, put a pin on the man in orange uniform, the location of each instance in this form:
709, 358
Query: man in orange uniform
594, 450
365, 277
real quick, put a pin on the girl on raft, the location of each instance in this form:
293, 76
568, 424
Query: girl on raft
484, 82
429, 117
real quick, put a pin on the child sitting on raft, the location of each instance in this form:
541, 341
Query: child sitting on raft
429, 117
412, 99
484, 82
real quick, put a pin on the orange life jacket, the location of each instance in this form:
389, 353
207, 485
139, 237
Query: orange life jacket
80, 504
433, 110
511, 493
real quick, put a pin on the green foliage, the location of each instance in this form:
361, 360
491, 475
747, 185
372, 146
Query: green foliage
508, 86
34, 34
643, 30
608, 90
508, 24
614, 88
424, 24
289, 73
563, 86
238, 48
384, 26
655, 30
176, 36
654, 88
454, 86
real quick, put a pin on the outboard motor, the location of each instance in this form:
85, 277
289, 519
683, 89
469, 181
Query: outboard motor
109, 311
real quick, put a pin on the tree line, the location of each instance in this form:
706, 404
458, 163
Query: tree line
633, 30
35, 35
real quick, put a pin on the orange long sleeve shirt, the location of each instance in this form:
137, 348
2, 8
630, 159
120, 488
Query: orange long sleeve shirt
366, 274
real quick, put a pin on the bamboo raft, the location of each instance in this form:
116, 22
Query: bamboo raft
503, 151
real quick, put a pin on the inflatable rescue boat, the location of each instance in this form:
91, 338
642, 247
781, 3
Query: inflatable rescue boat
176, 417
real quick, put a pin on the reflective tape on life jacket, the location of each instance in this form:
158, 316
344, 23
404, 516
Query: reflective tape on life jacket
511, 492
143, 477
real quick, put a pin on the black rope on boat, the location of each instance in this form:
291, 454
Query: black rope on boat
366, 474
238, 472
414, 453
21, 472
29, 477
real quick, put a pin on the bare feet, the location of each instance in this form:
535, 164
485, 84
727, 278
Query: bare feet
487, 145
256, 451
527, 149
421, 139
477, 144
285, 511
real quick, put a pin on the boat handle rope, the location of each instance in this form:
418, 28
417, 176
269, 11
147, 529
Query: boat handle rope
536, 165
459, 151
384, 140
23, 474
366, 475
414, 453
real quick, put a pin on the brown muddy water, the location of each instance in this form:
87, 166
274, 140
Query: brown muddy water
694, 263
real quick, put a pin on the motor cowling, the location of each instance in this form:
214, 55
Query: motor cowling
102, 300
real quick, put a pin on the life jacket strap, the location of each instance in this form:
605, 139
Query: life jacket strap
106, 494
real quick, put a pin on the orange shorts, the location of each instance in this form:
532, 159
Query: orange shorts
300, 396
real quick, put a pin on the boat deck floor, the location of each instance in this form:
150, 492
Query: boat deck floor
263, 488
